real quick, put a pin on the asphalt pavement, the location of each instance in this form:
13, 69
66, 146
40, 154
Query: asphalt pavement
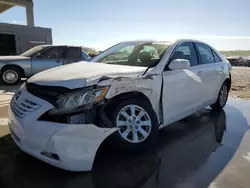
207, 149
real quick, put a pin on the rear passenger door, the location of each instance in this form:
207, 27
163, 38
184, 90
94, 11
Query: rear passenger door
210, 71
73, 54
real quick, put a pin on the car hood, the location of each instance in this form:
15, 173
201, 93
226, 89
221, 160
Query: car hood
11, 58
83, 74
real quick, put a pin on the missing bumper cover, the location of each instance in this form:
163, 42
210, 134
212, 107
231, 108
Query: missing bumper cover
96, 115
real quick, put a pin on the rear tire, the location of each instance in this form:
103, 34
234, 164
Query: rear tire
222, 97
137, 124
11, 75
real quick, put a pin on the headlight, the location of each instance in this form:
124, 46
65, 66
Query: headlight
71, 101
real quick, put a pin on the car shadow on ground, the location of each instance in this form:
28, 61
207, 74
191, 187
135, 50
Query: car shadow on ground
10, 88
6, 93
192, 149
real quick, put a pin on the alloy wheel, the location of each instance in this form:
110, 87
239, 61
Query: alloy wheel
10, 76
223, 95
134, 123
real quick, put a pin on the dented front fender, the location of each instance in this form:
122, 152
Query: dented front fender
149, 85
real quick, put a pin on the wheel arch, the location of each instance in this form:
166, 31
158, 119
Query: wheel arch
228, 81
130, 94
15, 66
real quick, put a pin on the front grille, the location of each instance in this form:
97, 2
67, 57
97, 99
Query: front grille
48, 93
23, 107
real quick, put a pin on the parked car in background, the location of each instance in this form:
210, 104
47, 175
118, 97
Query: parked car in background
90, 51
136, 89
38, 59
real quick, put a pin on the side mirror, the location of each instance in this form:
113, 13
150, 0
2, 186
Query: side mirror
179, 64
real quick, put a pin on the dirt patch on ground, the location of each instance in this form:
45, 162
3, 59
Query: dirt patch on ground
4, 111
240, 82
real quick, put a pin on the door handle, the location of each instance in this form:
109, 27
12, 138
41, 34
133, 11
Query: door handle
199, 73
58, 61
222, 67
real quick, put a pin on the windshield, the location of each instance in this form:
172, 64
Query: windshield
32, 51
143, 54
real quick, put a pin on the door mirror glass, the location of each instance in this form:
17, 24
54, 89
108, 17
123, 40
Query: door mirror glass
179, 64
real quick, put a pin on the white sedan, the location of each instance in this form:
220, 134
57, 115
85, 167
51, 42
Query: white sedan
62, 115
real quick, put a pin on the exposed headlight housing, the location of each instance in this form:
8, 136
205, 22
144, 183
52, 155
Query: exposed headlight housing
75, 101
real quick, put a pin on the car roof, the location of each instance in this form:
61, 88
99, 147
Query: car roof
166, 41
189, 40
145, 41
49, 45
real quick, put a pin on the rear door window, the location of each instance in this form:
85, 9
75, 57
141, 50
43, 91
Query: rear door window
205, 53
73, 52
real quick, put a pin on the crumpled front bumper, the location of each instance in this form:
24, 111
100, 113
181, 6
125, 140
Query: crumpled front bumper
74, 144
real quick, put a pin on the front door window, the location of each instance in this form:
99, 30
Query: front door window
53, 53
186, 51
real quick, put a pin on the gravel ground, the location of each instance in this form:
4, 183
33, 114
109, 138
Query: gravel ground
240, 82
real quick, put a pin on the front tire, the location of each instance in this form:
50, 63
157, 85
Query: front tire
137, 124
11, 75
222, 97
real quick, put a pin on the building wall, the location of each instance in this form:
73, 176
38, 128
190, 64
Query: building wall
27, 37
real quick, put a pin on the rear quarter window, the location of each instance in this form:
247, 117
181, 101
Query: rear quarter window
216, 57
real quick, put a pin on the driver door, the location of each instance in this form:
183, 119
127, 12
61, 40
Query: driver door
182, 88
50, 58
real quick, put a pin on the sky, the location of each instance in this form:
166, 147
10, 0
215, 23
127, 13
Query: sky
225, 24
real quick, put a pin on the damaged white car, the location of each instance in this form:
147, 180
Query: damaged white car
62, 115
